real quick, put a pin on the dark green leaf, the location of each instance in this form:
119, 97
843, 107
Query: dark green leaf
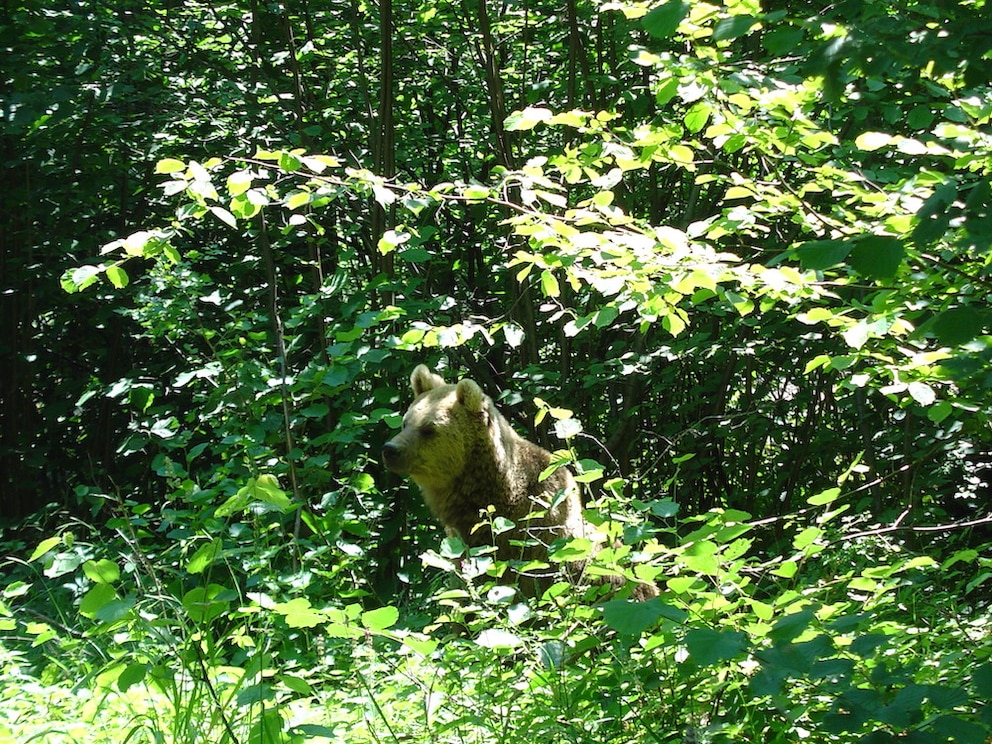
133, 674
707, 646
664, 20
782, 39
959, 730
822, 254
790, 627
945, 697
633, 618
958, 325
877, 256
981, 680
934, 217
731, 28
864, 646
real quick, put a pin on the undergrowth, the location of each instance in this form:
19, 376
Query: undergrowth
132, 637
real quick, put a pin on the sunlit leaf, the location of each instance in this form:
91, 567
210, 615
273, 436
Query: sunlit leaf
922, 393
224, 216
529, 118
103, 571
549, 284
44, 546
170, 165
205, 555
870, 141
117, 276
381, 618
96, 599
497, 638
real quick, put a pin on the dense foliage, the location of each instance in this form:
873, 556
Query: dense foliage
730, 261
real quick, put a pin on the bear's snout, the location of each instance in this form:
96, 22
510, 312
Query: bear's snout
392, 457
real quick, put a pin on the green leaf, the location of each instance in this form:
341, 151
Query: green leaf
574, 550
806, 538
244, 207
169, 166
204, 556
959, 730
664, 20
934, 217
289, 161
790, 627
629, 617
380, 618
299, 613
787, 570
824, 497
529, 118
946, 697
695, 120
549, 284
733, 27
423, 646
877, 256
44, 546
701, 557
264, 489
782, 40
102, 571
707, 646
224, 216
76, 280
297, 684
117, 276
822, 254
866, 645
133, 674
497, 638
298, 199
95, 599
203, 604
981, 681
940, 411
958, 325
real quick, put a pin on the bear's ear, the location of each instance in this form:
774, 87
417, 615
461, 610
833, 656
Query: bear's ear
470, 395
423, 380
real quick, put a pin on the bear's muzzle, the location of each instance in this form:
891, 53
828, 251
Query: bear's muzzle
392, 457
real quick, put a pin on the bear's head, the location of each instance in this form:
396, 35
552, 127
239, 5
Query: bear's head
443, 429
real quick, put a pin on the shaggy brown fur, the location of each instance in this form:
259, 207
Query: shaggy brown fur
467, 459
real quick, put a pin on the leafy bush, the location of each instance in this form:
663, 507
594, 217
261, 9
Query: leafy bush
746, 249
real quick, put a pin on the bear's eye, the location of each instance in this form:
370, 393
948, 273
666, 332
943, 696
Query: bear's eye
427, 430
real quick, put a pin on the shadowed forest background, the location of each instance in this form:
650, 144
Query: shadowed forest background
730, 262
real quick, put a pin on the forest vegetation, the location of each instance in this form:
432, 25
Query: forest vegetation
729, 262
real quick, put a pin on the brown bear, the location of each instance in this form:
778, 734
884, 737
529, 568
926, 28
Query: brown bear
472, 468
